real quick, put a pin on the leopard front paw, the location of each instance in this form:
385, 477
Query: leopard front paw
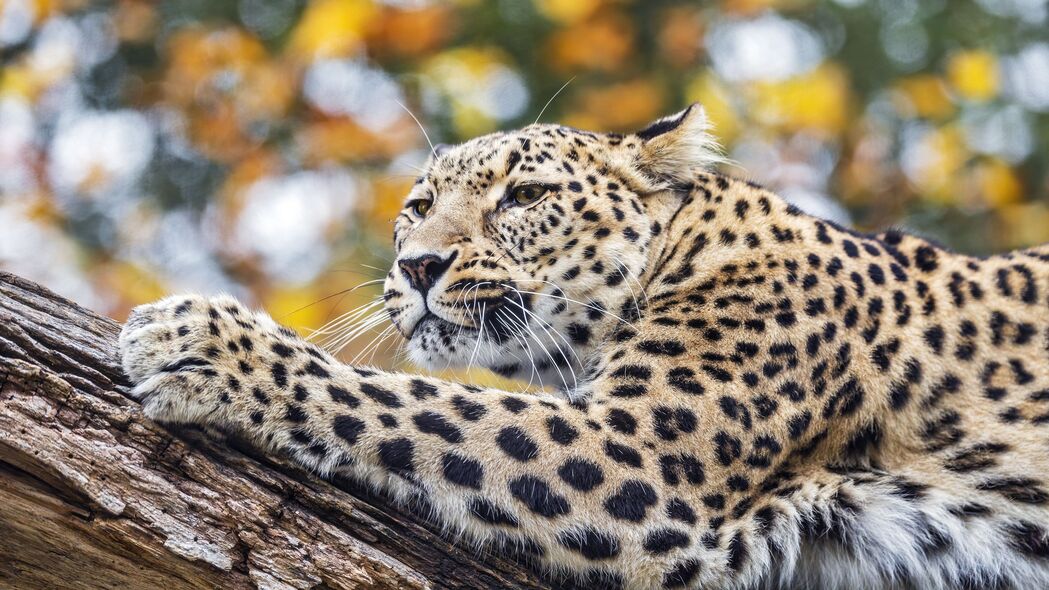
175, 352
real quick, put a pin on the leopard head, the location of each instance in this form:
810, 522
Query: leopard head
520, 251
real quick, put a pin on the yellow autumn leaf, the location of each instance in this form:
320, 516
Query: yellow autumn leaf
998, 183
410, 32
567, 11
387, 199
458, 73
342, 139
470, 121
18, 81
941, 155
974, 74
923, 95
604, 43
626, 106
332, 28
45, 8
681, 32
1023, 224
197, 55
817, 101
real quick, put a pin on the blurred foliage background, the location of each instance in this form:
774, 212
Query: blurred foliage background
259, 147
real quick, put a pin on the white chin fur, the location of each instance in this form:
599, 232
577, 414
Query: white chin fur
427, 349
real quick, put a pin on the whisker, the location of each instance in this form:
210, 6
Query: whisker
556, 332
417, 169
619, 268
382, 270
527, 349
629, 275
421, 128
398, 176
348, 317
543, 110
336, 294
554, 342
340, 341
505, 251
334, 334
550, 356
351, 271
480, 337
338, 344
373, 345
459, 331
397, 344
565, 298
473, 306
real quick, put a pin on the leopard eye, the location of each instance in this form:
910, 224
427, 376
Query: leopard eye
421, 207
526, 194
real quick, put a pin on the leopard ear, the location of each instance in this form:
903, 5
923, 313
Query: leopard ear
674, 147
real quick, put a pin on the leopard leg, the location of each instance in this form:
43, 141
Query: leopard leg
525, 472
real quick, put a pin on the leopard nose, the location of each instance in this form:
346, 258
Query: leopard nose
423, 271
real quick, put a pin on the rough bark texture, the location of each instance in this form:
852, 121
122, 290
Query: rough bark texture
94, 495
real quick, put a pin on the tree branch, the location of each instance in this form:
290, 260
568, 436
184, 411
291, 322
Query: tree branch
93, 495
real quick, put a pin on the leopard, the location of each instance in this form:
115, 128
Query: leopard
718, 389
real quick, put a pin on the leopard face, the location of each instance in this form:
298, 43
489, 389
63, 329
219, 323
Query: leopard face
516, 251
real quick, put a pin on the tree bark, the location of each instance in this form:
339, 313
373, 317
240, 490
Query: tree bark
94, 495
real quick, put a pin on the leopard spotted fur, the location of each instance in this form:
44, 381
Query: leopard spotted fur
740, 395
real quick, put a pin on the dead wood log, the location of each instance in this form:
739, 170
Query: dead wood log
94, 495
